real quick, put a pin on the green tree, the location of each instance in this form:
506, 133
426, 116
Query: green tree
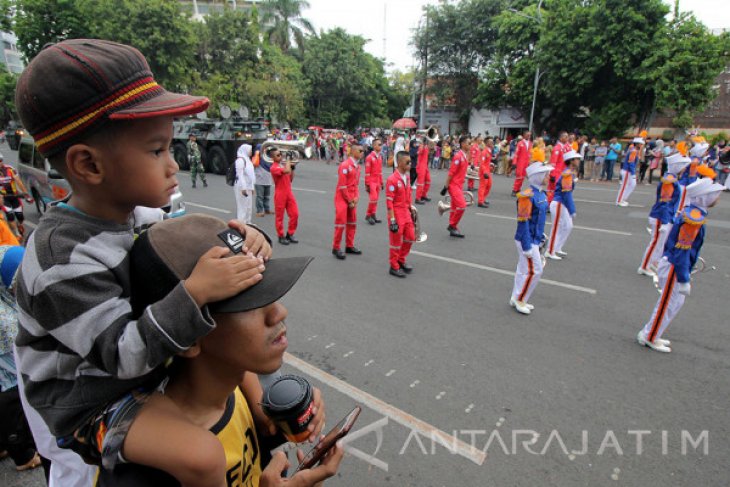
348, 85
682, 69
398, 95
160, 29
458, 39
282, 20
7, 97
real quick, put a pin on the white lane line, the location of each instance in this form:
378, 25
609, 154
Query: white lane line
440, 395
219, 210
469, 408
399, 416
306, 190
348, 354
606, 203
368, 363
590, 229
415, 383
330, 345
581, 188
504, 272
390, 372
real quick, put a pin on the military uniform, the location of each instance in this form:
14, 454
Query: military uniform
196, 163
346, 194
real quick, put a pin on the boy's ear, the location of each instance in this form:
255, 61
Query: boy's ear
83, 163
191, 352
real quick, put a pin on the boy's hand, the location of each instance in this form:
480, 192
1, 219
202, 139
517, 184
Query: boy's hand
318, 416
271, 476
255, 241
218, 276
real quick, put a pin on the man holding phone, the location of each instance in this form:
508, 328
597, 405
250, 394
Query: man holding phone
211, 383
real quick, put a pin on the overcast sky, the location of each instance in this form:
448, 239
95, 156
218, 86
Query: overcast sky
400, 17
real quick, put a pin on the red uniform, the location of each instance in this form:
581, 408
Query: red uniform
398, 198
485, 175
457, 171
373, 180
284, 200
347, 191
474, 159
522, 160
556, 160
423, 183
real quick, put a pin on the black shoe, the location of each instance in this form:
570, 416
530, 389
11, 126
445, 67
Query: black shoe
376, 220
193, 185
486, 203
291, 239
514, 193
370, 220
283, 241
353, 250
426, 198
482, 205
205, 184
420, 202
339, 254
454, 232
406, 268
397, 272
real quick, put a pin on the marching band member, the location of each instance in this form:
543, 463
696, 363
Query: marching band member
660, 222
474, 153
557, 162
562, 208
401, 226
691, 174
346, 198
522, 160
532, 207
455, 186
680, 255
423, 181
374, 180
628, 171
284, 201
485, 174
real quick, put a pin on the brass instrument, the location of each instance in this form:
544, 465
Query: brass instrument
432, 134
472, 173
420, 235
444, 206
291, 150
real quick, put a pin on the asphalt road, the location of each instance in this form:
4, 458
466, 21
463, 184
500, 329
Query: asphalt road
440, 362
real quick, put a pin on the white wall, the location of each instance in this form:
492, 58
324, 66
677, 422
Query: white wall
482, 122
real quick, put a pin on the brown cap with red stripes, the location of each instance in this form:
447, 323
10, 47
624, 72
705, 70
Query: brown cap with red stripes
73, 87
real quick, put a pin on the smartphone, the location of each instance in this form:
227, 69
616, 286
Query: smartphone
325, 444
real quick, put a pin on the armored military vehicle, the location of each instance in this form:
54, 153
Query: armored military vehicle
219, 139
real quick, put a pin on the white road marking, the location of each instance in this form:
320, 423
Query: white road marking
390, 372
415, 383
606, 203
211, 208
399, 416
590, 229
348, 354
330, 345
311, 338
440, 395
368, 363
310, 190
612, 190
469, 408
549, 282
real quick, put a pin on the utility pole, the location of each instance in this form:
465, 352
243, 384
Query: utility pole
385, 26
422, 111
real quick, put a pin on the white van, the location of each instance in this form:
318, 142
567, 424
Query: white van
46, 185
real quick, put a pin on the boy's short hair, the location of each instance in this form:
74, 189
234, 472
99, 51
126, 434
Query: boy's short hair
168, 251
73, 88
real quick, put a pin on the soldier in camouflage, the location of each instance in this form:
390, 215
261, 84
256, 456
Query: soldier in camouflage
196, 164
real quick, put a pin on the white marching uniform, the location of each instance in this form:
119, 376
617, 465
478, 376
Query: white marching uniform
528, 273
245, 181
562, 209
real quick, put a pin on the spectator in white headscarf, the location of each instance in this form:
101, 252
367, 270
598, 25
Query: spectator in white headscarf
244, 185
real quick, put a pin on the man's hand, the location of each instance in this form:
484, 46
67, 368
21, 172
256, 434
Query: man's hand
393, 227
218, 276
272, 474
255, 243
351, 204
486, 175
552, 179
318, 416
443, 191
244, 192
684, 288
367, 188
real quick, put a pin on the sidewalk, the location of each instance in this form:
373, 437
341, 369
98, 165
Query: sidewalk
10, 478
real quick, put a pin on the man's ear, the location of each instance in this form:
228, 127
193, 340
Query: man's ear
191, 352
83, 163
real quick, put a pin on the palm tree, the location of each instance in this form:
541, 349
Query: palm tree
283, 20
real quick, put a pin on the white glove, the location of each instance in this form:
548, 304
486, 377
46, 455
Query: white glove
684, 288
527, 253
663, 228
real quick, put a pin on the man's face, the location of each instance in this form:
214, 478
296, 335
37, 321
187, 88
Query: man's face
377, 145
249, 341
356, 151
139, 169
466, 145
276, 155
563, 138
404, 164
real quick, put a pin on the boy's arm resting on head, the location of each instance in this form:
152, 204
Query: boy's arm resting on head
257, 241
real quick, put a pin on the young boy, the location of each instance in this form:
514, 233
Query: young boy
660, 222
87, 364
562, 207
680, 255
628, 171
532, 205
204, 385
